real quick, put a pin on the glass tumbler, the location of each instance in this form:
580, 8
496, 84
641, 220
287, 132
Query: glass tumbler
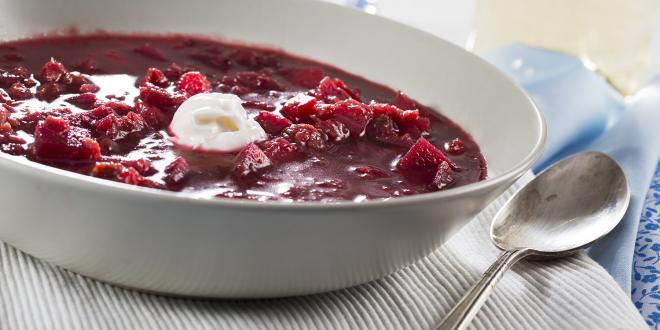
612, 36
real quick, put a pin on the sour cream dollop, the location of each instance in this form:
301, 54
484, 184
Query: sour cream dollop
214, 122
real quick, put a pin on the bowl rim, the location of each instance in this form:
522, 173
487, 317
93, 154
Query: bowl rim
53, 174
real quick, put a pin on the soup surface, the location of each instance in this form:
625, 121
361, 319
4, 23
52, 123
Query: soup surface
101, 105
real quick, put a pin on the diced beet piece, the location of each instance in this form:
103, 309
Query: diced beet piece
119, 108
7, 107
21, 71
354, 114
55, 140
259, 105
160, 97
299, 109
13, 149
408, 121
305, 77
147, 50
333, 90
109, 126
257, 81
4, 115
118, 128
27, 121
370, 172
8, 138
88, 88
305, 135
132, 123
4, 97
131, 176
177, 172
272, 123
156, 77
18, 91
381, 126
444, 177
152, 115
52, 71
412, 122
106, 170
250, 161
143, 166
455, 147
73, 79
7, 79
238, 90
213, 60
50, 91
84, 101
421, 162
30, 82
101, 111
192, 83
402, 101
336, 131
5, 122
5, 129
118, 172
384, 129
279, 149
174, 72
403, 140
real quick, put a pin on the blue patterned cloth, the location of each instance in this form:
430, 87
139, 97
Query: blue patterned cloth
646, 265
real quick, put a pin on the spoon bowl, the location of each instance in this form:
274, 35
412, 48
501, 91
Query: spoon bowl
566, 207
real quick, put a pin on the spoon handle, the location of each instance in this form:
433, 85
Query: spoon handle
461, 315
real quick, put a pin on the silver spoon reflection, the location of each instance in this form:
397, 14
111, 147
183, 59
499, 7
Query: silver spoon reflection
564, 209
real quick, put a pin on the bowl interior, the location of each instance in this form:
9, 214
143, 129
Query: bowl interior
471, 92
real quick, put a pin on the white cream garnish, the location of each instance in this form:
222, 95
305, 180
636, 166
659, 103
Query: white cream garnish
214, 122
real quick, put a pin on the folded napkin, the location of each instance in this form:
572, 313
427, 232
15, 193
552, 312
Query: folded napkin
570, 293
584, 113
646, 262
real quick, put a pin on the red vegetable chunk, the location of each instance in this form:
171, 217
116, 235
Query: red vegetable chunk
305, 135
300, 109
84, 101
250, 161
280, 149
354, 114
177, 172
271, 123
55, 140
444, 177
52, 71
333, 90
160, 97
422, 161
192, 83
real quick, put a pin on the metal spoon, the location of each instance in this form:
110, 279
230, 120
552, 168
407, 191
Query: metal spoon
564, 209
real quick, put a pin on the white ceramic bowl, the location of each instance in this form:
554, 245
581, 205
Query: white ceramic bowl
171, 243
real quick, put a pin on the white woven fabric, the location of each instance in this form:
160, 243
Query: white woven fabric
573, 293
